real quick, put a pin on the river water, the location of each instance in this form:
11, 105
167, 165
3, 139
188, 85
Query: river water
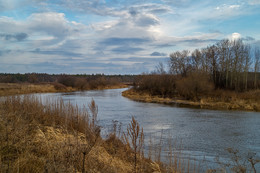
202, 134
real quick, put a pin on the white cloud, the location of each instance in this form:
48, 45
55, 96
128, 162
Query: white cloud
146, 20
53, 24
139, 25
90, 7
234, 6
103, 8
49, 27
235, 36
254, 2
100, 26
194, 40
44, 36
225, 11
151, 8
177, 2
9, 25
8, 5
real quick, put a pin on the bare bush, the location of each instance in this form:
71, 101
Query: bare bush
193, 86
136, 136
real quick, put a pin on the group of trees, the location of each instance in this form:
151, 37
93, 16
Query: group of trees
228, 64
83, 83
44, 77
80, 81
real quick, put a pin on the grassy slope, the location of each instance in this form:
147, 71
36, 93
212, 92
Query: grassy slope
249, 101
58, 138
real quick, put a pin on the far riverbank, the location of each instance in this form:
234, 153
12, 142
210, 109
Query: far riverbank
28, 88
204, 103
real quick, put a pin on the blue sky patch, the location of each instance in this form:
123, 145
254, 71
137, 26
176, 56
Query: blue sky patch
93, 36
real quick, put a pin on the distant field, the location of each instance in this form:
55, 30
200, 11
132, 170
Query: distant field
26, 88
17, 88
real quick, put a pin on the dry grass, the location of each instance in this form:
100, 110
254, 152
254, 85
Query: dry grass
223, 100
145, 97
37, 137
58, 137
116, 86
25, 88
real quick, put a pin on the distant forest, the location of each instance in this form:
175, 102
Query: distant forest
80, 81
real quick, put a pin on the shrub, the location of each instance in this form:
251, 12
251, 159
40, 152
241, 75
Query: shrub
194, 85
163, 85
67, 80
59, 86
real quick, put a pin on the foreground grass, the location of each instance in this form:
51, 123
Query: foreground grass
58, 137
224, 100
38, 136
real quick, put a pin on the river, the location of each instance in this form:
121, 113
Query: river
202, 134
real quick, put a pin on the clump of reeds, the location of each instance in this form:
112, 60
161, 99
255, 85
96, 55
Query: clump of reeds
135, 139
39, 135
239, 162
43, 135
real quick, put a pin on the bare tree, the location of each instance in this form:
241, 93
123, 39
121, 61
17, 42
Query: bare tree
237, 60
160, 68
247, 63
180, 62
174, 62
257, 64
224, 61
227, 62
205, 60
212, 55
196, 57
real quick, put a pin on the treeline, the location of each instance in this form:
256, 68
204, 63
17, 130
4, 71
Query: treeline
228, 64
79, 81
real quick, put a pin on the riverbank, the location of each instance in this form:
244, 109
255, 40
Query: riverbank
27, 88
232, 103
60, 138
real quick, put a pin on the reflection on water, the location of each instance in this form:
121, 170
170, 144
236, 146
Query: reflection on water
205, 134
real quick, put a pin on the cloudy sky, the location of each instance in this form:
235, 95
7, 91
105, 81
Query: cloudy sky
115, 36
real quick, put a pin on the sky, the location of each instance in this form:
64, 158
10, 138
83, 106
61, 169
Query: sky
115, 36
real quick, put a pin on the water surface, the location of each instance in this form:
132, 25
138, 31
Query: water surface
204, 134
